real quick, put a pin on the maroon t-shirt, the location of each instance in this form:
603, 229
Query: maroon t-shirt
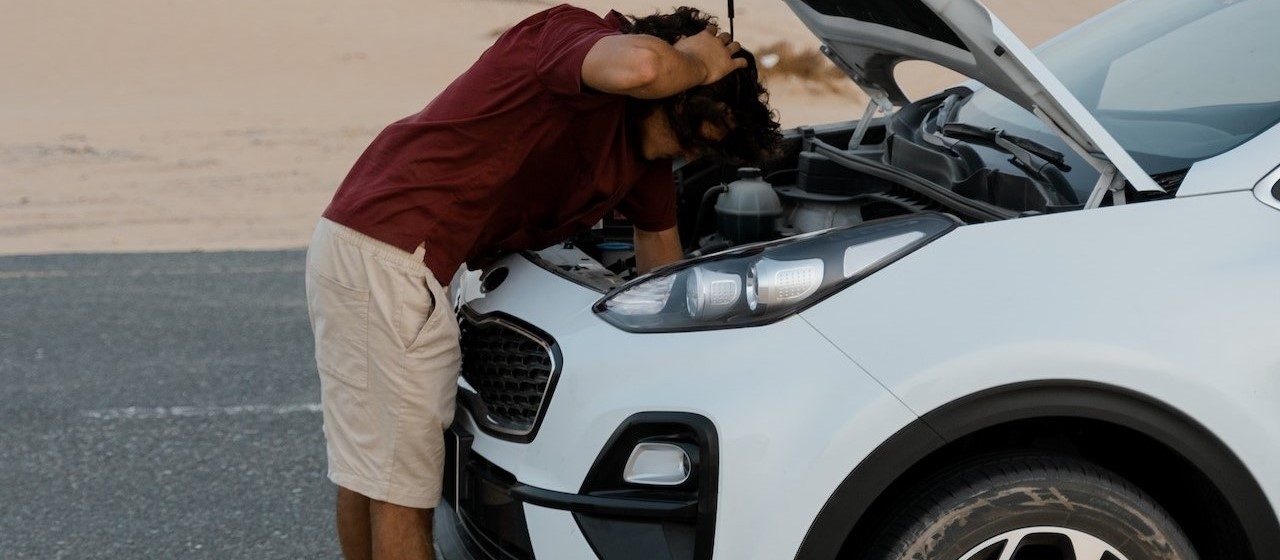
515, 154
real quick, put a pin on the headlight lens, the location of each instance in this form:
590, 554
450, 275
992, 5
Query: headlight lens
710, 294
761, 283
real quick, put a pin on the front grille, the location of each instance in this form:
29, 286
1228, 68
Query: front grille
511, 367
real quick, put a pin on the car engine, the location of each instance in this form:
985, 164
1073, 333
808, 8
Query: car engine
720, 207
841, 174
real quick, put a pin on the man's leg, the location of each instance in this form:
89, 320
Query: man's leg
388, 360
400, 533
353, 525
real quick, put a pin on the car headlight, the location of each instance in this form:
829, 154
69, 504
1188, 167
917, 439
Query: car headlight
764, 282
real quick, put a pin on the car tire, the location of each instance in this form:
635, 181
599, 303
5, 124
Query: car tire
1043, 506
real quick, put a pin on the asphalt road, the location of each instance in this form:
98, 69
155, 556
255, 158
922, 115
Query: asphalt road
160, 406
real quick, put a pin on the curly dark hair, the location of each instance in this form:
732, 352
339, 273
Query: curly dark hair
737, 103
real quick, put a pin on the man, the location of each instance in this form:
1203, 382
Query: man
567, 117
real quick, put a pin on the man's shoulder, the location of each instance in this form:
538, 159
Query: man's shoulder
571, 11
568, 14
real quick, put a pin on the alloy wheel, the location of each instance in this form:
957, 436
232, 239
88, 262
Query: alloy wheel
1044, 543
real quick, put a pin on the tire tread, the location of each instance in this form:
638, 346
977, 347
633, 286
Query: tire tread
957, 484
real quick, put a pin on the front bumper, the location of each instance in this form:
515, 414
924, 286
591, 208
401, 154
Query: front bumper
449, 542
483, 514
791, 412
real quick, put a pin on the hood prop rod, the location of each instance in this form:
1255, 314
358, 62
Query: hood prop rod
877, 100
731, 19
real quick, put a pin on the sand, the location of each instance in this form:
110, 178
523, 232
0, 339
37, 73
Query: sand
176, 125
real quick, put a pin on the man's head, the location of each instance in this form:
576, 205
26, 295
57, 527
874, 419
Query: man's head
729, 120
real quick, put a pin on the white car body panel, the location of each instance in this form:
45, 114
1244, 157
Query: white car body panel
608, 375
1235, 170
1173, 299
814, 413
555, 534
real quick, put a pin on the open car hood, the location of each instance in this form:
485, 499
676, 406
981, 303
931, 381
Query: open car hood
868, 38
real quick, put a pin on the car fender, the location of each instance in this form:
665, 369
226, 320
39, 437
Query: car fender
1042, 399
1172, 299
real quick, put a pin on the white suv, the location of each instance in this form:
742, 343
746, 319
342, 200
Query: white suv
1030, 317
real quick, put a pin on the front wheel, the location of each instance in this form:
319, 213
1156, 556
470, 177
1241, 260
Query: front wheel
1031, 507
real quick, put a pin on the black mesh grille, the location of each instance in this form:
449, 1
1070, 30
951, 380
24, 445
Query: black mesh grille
509, 369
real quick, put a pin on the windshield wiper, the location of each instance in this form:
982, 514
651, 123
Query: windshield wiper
1020, 148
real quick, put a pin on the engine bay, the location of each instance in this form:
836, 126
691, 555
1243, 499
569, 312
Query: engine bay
914, 160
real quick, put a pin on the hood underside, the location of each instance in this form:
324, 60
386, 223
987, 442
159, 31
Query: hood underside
868, 38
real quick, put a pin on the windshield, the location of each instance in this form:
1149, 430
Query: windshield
1174, 81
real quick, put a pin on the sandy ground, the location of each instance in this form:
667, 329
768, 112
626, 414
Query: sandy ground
149, 125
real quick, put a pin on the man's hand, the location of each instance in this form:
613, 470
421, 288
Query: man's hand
657, 248
647, 67
714, 50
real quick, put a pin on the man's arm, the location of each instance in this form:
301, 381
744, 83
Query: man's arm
647, 67
657, 248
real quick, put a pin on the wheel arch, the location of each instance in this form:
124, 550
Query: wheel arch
973, 423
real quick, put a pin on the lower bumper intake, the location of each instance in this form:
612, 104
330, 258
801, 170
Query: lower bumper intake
483, 514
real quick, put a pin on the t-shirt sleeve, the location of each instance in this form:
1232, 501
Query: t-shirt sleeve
566, 36
651, 203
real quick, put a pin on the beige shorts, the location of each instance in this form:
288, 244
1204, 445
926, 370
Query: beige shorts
387, 350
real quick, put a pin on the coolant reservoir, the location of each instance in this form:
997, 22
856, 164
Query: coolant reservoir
748, 211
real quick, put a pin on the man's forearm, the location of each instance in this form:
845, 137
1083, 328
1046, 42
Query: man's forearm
677, 71
641, 66
657, 248
647, 67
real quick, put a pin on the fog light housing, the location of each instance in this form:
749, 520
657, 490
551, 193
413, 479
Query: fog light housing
671, 520
657, 464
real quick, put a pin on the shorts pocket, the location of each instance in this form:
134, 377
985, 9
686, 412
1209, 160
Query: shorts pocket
340, 318
418, 307
439, 324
